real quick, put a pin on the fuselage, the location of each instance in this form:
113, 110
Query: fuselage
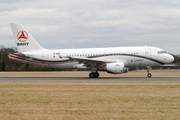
130, 56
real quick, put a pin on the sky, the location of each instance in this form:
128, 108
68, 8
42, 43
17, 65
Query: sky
57, 24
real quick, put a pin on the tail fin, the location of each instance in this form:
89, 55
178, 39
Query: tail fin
24, 41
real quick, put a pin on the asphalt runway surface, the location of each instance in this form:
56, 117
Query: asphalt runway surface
86, 79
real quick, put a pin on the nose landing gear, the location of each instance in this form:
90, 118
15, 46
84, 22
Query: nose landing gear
149, 75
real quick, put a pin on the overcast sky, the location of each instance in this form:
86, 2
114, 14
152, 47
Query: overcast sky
94, 23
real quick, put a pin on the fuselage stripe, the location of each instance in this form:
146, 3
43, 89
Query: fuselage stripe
40, 61
37, 61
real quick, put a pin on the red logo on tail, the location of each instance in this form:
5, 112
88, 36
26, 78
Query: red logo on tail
22, 36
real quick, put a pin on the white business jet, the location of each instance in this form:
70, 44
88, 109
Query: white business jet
114, 60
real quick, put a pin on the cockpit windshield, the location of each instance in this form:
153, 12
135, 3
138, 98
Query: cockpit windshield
162, 52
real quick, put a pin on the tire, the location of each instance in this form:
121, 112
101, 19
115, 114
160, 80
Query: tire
149, 75
96, 74
91, 75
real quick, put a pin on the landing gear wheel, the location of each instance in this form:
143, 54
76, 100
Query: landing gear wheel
149, 75
93, 75
96, 74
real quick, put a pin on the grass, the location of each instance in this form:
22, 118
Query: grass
55, 100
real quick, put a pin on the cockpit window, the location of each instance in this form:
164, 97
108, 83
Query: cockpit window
162, 52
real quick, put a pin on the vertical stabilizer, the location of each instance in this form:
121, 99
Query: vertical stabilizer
24, 41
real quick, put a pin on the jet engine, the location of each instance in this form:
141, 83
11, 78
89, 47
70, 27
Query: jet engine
116, 68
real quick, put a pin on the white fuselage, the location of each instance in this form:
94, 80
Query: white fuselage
130, 56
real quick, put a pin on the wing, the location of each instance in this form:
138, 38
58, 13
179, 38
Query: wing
90, 62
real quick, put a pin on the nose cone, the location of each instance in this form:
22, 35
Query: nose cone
170, 58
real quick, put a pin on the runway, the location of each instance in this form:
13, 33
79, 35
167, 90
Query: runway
86, 79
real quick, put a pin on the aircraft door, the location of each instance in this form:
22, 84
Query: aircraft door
148, 52
44, 56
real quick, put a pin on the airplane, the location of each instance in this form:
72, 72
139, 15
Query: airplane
114, 60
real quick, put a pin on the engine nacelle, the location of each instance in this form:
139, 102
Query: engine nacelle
116, 68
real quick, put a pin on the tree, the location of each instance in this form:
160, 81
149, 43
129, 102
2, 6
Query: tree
3, 65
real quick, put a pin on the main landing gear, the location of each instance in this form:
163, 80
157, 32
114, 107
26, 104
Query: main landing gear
94, 75
149, 75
